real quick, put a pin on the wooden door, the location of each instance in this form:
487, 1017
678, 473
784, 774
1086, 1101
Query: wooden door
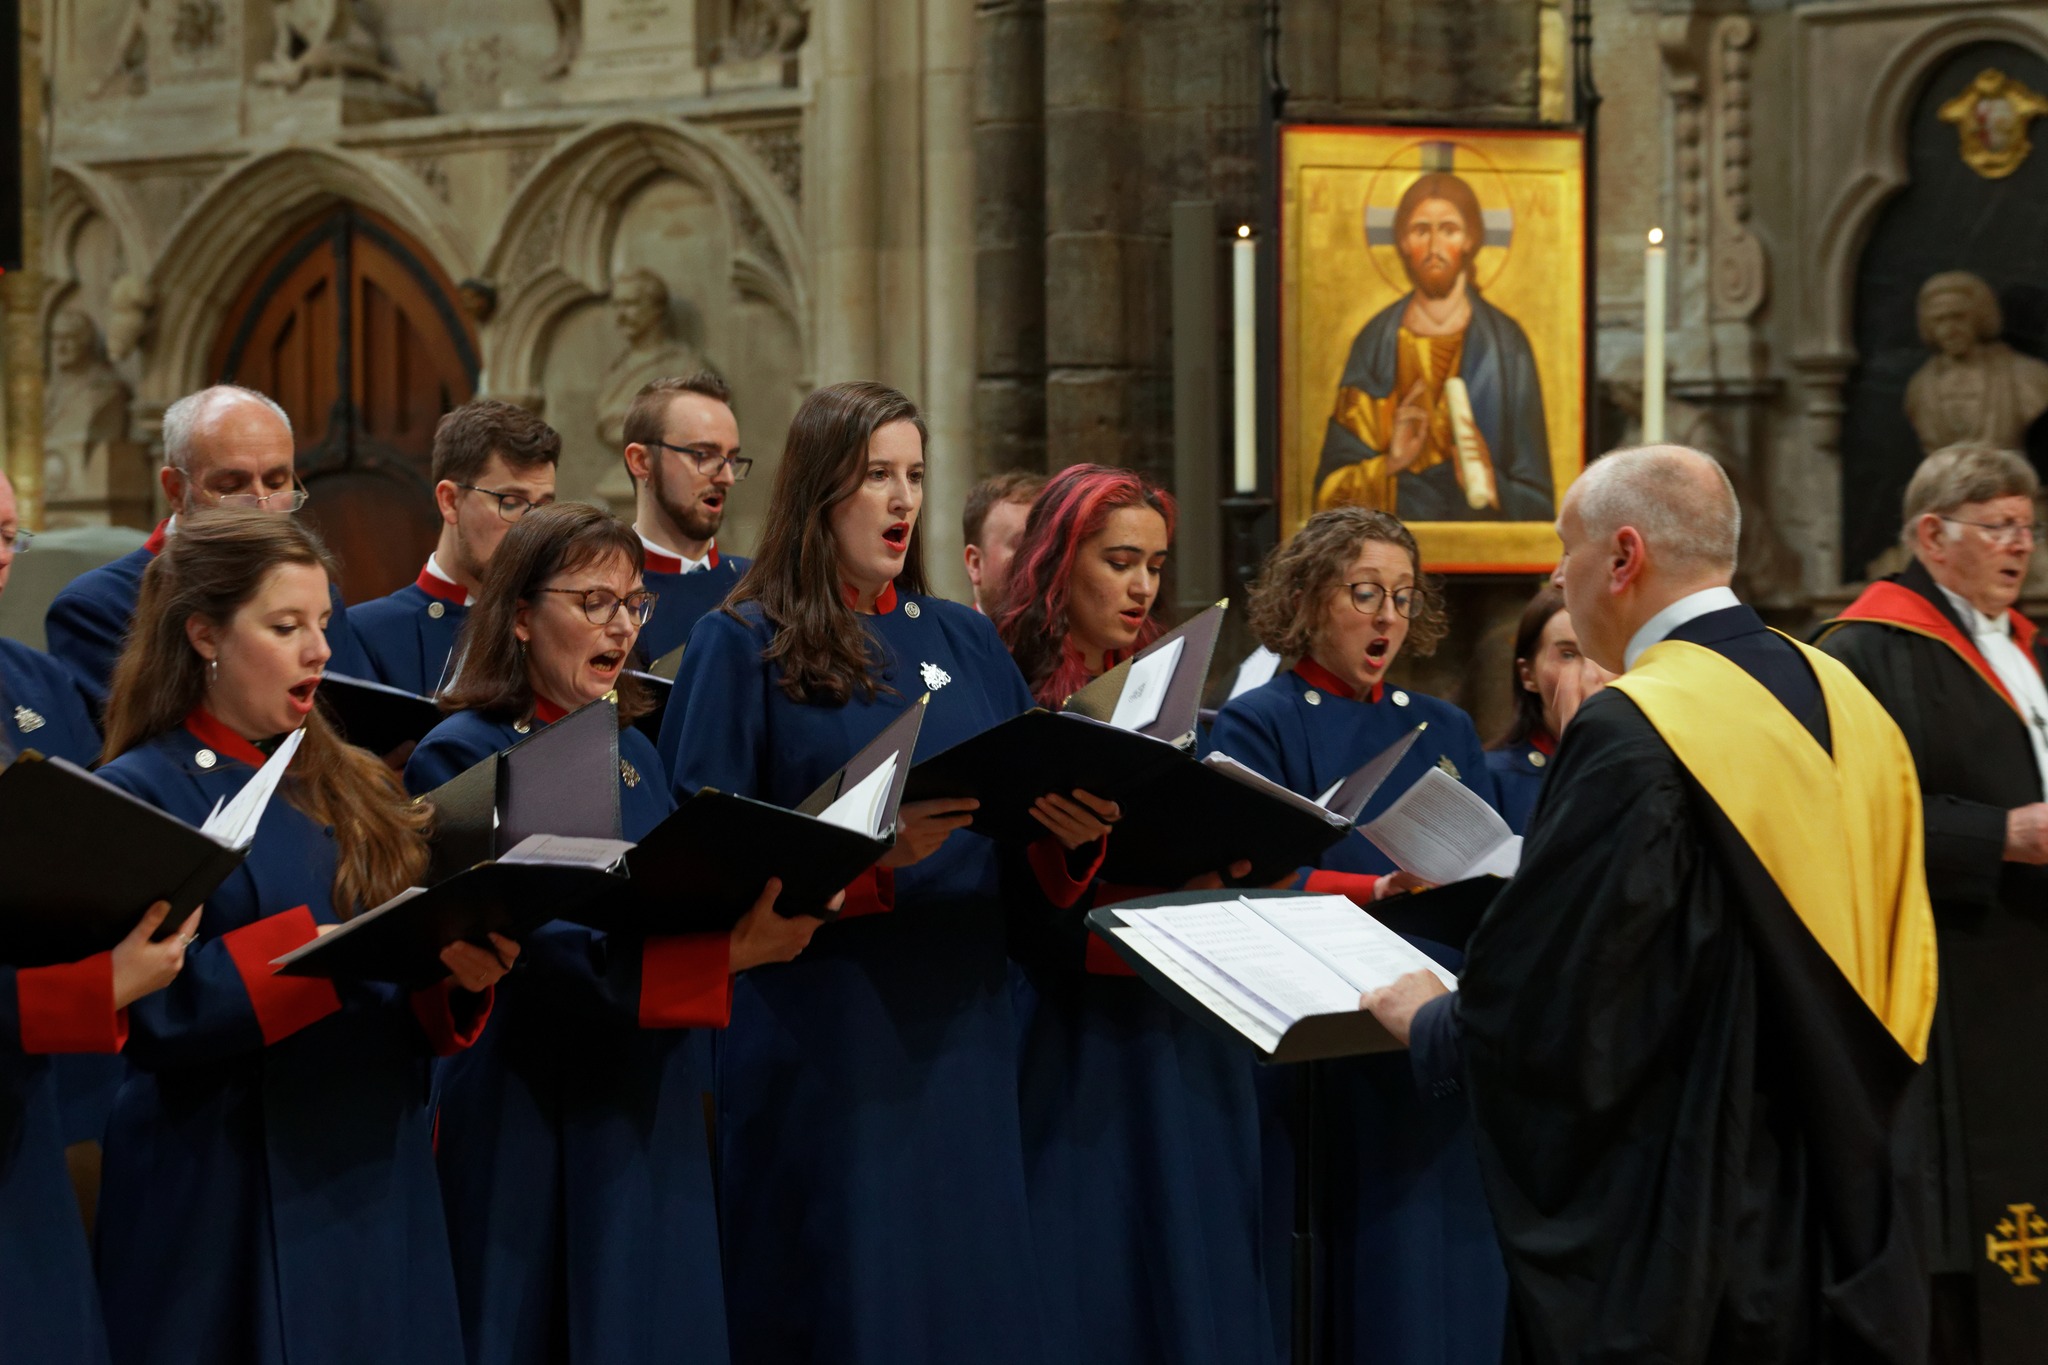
351, 328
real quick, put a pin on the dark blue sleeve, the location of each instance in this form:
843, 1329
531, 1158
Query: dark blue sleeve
1464, 749
348, 656
1246, 733
449, 750
715, 731
1436, 1048
84, 632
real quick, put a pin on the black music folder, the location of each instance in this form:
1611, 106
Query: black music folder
659, 690
702, 868
521, 838
83, 860
1196, 817
1111, 738
1275, 971
375, 717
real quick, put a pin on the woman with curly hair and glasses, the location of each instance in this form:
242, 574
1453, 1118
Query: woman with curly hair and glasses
1414, 1273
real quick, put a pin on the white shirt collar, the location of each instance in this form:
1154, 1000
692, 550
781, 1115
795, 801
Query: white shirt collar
434, 568
1979, 623
1688, 608
689, 565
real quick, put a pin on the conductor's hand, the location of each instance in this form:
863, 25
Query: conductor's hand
479, 969
1395, 1006
1076, 820
921, 826
1411, 428
1396, 883
140, 966
2026, 834
762, 936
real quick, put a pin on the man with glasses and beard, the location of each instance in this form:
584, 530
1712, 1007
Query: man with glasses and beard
493, 463
226, 446
683, 454
1439, 415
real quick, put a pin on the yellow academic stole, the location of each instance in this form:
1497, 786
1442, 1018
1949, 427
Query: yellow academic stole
1840, 835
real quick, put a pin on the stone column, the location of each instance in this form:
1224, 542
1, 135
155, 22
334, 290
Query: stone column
949, 280
1009, 147
845, 167
23, 289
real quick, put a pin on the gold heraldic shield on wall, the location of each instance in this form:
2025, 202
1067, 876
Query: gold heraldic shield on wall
1432, 334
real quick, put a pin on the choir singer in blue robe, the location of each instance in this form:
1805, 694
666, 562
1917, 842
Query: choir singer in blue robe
1552, 677
1141, 1128
1414, 1271
873, 1174
571, 1141
269, 1196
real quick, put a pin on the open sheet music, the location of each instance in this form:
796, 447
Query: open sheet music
1442, 831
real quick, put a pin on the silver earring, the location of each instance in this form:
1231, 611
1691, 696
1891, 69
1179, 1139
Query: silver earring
212, 671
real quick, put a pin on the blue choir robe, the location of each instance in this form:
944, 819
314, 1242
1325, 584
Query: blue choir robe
87, 622
49, 1306
269, 1195
1415, 1272
682, 598
870, 1154
41, 709
1141, 1146
408, 636
574, 1162
1518, 772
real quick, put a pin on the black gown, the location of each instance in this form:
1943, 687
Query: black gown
1687, 1115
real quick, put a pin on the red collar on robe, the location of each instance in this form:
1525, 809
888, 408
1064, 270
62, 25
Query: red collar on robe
433, 585
1110, 658
661, 561
162, 533
885, 600
546, 712
208, 730
1543, 742
1315, 675
1895, 604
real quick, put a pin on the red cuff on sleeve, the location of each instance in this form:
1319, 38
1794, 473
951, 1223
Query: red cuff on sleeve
873, 892
451, 1025
686, 981
1101, 959
283, 1004
1048, 857
1357, 885
70, 1008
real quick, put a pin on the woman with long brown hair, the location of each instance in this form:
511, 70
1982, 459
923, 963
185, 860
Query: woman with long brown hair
1552, 678
1141, 1128
872, 1173
269, 1193
571, 1138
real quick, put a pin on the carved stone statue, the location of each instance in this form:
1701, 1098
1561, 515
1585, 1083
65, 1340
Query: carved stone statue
1975, 387
759, 28
318, 38
131, 312
640, 310
85, 409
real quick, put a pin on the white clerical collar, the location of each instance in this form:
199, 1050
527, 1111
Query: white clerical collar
434, 568
689, 565
1689, 608
1979, 623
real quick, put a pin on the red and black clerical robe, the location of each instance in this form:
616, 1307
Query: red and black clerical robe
1988, 1161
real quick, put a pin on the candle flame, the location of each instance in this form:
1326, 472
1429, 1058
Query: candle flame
1656, 236
1244, 230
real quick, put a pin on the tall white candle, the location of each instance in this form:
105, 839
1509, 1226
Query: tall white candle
1653, 338
1244, 257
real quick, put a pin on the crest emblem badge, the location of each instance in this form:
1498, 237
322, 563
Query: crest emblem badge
27, 721
934, 676
2019, 1244
1990, 118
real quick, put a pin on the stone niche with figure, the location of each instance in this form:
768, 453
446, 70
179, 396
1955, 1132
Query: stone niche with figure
1974, 387
92, 472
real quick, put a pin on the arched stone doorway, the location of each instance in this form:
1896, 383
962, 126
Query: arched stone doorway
351, 327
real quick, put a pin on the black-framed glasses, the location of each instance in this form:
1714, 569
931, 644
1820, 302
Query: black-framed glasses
2005, 532
284, 500
600, 605
1366, 597
511, 506
17, 541
708, 461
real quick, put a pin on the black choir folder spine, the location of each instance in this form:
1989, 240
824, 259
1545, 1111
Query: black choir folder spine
83, 860
1009, 766
372, 716
1444, 915
700, 870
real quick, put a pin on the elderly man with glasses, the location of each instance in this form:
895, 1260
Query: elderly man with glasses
493, 462
1943, 649
683, 454
226, 446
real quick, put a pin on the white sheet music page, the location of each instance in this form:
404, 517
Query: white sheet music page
1265, 970
859, 807
1442, 831
1257, 670
1349, 941
1137, 706
234, 824
561, 850
1210, 988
